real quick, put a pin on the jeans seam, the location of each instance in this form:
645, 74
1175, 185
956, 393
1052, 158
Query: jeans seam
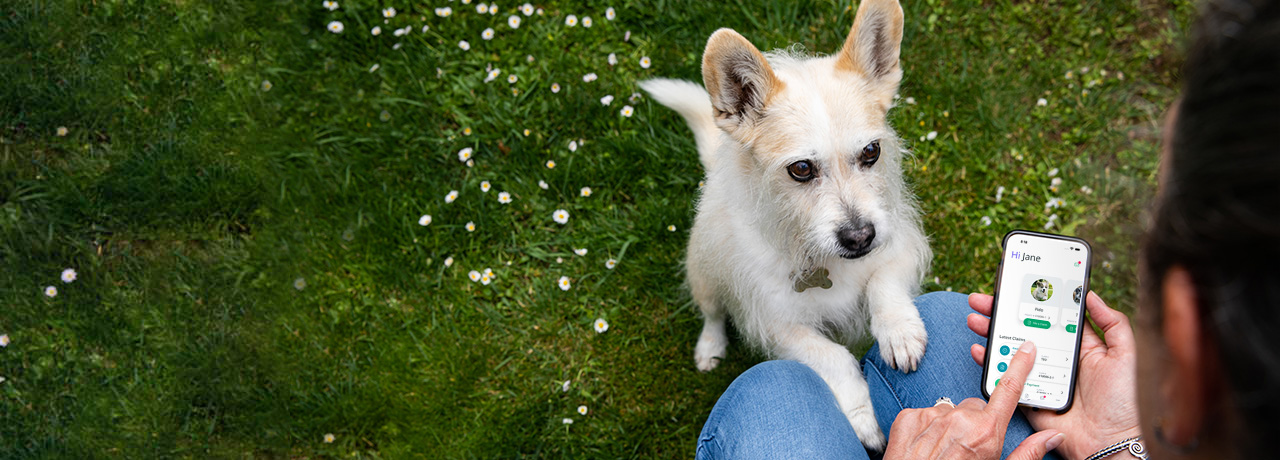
893, 391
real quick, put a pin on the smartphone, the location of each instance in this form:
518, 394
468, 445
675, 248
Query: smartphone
1040, 290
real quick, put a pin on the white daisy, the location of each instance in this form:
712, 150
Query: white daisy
444, 12
607, 99
1053, 172
571, 20
567, 421
627, 36
482, 8
487, 34
388, 12
582, 410
610, 14
396, 46
512, 78
542, 184
376, 30
50, 291
999, 193
425, 220
527, 9
911, 101
330, 5
601, 325
1053, 184
464, 45
627, 111
328, 438
1054, 203
1106, 264
585, 192
560, 216
551, 164
493, 74
374, 68
474, 275
466, 131
931, 136
564, 387
425, 28
68, 275
504, 197
1042, 102
464, 154
645, 63
488, 272
335, 27
493, 9
300, 283
541, 12
589, 77
634, 97
986, 221
448, 261
485, 279
573, 146
564, 283
1086, 190
453, 195
613, 59
1049, 224
586, 21
671, 228
4, 340
513, 21
471, 226
609, 264
484, 186
555, 87
580, 251
62, 130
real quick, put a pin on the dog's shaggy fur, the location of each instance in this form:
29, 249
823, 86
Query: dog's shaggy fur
761, 231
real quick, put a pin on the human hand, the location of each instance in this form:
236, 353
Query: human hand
974, 429
1105, 406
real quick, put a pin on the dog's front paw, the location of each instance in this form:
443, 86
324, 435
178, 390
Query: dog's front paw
863, 419
710, 350
902, 339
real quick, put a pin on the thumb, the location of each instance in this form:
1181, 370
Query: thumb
1037, 445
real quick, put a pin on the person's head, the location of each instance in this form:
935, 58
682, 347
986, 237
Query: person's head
1209, 353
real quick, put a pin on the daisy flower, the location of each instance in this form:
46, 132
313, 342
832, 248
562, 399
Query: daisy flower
376, 30
389, 12
560, 216
586, 21
582, 410
482, 8
266, 86
50, 291
931, 136
526, 9
492, 75
551, 164
453, 195
1053, 184
484, 186
474, 275
374, 68
610, 14
425, 220
485, 279
542, 184
1042, 102
1054, 203
573, 146
335, 27
609, 264
645, 62
564, 387
567, 421
493, 9
448, 262
62, 130
564, 283
330, 5
444, 12
68, 275
613, 59
607, 100
571, 20
1049, 224
464, 154
634, 97
585, 192
471, 226
4, 340
512, 78
999, 193
504, 197
466, 131
425, 28
328, 438
513, 21
580, 251
1053, 172
464, 45
300, 283
555, 87
671, 228
702, 183
601, 325
627, 111
986, 221
627, 36
487, 34
1085, 189
589, 77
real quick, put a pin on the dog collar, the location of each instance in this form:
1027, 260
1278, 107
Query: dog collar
813, 277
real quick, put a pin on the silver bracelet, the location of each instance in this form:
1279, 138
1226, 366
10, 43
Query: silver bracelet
1132, 445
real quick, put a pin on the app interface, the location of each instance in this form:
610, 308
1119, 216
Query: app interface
1041, 294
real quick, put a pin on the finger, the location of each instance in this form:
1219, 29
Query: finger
978, 324
972, 403
1115, 325
980, 303
1007, 393
979, 353
1036, 446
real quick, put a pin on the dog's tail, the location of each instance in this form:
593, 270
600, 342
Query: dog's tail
694, 104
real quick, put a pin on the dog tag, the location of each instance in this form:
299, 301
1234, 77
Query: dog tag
816, 278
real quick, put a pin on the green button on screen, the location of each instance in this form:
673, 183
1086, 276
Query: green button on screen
1071, 328
1037, 323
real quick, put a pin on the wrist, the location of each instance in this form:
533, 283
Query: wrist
1086, 445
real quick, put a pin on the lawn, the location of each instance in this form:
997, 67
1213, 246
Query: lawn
240, 189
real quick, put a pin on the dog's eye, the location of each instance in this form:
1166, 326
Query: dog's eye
870, 154
801, 171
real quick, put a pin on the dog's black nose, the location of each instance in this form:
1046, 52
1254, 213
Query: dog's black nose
857, 239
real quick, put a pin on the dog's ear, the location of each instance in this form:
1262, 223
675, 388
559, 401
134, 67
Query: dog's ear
738, 78
871, 50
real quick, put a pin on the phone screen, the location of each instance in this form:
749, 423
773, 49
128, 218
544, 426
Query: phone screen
1039, 297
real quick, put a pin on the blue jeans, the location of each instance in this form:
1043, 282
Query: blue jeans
782, 409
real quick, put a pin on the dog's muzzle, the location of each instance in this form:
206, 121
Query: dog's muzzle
856, 239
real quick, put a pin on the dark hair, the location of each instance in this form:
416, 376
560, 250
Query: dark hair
1218, 210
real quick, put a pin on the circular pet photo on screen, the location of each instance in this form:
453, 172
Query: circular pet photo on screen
1041, 290
1076, 295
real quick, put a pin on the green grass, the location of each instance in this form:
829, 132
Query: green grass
190, 198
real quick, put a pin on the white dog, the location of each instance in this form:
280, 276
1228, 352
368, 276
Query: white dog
805, 224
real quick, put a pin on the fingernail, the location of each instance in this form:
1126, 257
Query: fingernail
1054, 442
1027, 347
